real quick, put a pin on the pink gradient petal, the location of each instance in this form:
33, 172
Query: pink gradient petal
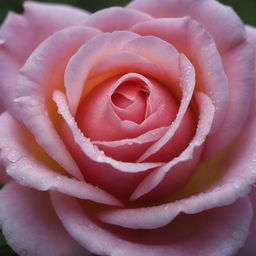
249, 248
202, 53
222, 231
42, 73
187, 83
127, 62
136, 146
31, 226
88, 56
208, 13
230, 41
106, 19
206, 114
21, 34
99, 118
237, 167
238, 65
23, 167
91, 150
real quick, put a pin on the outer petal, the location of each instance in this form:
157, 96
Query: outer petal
115, 176
230, 40
105, 19
207, 12
222, 231
187, 158
88, 56
42, 73
37, 23
31, 226
23, 165
216, 183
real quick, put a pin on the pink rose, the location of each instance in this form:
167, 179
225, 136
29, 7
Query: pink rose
128, 132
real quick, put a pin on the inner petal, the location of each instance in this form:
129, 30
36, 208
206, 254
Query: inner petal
125, 107
130, 101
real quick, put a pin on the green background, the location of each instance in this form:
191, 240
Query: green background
245, 8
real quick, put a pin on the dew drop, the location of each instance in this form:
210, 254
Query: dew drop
2, 41
13, 156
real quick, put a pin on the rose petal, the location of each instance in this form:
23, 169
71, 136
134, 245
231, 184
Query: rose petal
208, 13
187, 83
136, 146
200, 50
31, 226
206, 114
238, 65
36, 83
119, 178
86, 58
222, 231
113, 126
38, 22
88, 148
27, 170
238, 174
230, 41
105, 19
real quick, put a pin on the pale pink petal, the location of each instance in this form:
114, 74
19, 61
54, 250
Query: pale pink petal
42, 73
127, 62
106, 19
210, 14
238, 65
119, 178
249, 248
91, 150
235, 170
201, 50
251, 33
88, 56
100, 119
206, 114
136, 146
222, 230
230, 40
21, 34
31, 226
23, 166
187, 83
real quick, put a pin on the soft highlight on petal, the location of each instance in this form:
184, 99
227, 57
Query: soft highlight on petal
31, 226
218, 228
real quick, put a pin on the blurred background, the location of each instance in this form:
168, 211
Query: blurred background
246, 9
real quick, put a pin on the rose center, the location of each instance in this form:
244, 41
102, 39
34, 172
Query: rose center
130, 101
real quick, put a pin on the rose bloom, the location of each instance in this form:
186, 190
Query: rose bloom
128, 132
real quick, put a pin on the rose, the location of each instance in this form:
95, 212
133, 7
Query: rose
166, 99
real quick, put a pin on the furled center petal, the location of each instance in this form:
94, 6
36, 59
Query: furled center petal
130, 101
125, 107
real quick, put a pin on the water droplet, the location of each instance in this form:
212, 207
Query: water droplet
2, 41
13, 156
39, 57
